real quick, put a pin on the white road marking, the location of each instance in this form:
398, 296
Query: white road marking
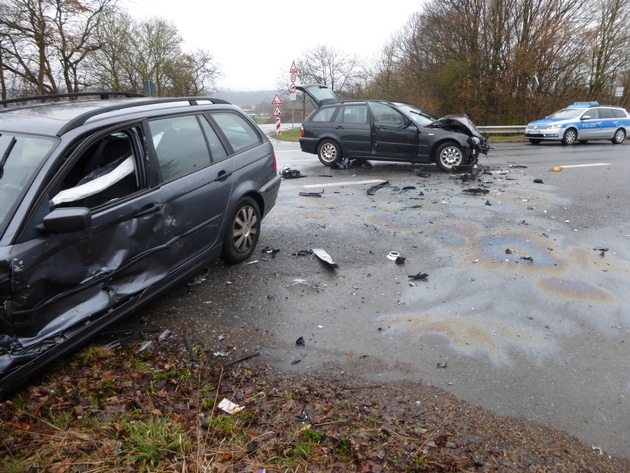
344, 183
571, 166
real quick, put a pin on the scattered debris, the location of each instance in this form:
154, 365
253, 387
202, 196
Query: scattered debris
242, 358
146, 345
325, 257
252, 262
400, 260
418, 276
508, 251
393, 255
528, 258
189, 347
324, 175
288, 173
538, 181
166, 334
296, 361
300, 342
371, 190
602, 251
420, 172
442, 365
312, 194
556, 169
228, 406
476, 190
269, 250
488, 202
301, 417
517, 166
343, 164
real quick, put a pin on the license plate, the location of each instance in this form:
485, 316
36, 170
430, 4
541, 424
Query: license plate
533, 132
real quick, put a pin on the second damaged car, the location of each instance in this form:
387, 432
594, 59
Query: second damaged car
104, 204
386, 131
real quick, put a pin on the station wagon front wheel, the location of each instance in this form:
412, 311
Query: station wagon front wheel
328, 152
448, 156
242, 233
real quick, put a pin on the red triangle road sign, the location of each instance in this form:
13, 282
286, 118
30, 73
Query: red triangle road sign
277, 112
277, 100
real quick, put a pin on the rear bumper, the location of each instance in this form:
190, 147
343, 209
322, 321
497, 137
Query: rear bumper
309, 145
269, 193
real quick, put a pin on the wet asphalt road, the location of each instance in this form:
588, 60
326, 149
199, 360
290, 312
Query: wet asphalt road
525, 307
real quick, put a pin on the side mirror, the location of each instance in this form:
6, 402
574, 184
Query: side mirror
586, 117
68, 220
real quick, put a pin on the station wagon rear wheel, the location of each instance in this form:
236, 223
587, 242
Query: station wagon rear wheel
328, 152
570, 136
448, 156
242, 232
620, 136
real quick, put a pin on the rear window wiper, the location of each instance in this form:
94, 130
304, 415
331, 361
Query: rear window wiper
6, 154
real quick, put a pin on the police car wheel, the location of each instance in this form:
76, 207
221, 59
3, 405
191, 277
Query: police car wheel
570, 136
620, 136
535, 142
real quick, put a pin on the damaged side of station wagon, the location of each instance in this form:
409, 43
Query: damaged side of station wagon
386, 131
104, 204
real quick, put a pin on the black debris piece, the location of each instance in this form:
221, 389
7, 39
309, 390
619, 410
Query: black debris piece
300, 342
301, 417
242, 358
343, 164
508, 251
270, 251
325, 175
371, 190
288, 173
602, 251
408, 188
488, 202
418, 276
421, 173
527, 258
296, 361
476, 190
538, 181
442, 365
189, 347
303, 253
400, 260
312, 194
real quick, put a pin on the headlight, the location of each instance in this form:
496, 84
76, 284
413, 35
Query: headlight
475, 140
555, 126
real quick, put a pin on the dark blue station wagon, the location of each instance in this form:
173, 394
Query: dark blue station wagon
106, 203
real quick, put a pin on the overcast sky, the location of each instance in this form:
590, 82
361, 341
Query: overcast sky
255, 42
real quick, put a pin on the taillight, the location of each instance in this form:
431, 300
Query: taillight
275, 164
302, 131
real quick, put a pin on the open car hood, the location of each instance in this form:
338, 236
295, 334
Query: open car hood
457, 123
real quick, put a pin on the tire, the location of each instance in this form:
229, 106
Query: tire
619, 137
329, 152
570, 136
448, 156
241, 235
535, 142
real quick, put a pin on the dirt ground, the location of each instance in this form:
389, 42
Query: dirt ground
152, 404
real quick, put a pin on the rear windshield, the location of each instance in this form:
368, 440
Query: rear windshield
20, 158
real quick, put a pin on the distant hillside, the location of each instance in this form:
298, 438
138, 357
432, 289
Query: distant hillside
246, 99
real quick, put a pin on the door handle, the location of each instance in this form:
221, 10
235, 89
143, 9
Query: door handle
223, 175
149, 210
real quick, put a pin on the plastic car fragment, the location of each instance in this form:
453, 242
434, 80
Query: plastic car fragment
371, 190
325, 257
312, 194
288, 173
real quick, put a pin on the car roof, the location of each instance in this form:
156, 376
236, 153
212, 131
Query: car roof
57, 118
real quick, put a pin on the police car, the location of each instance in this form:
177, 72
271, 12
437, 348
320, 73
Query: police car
581, 122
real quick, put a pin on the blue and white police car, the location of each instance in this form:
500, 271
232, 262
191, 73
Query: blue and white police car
581, 122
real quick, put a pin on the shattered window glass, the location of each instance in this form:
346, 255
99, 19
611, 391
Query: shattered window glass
20, 157
106, 171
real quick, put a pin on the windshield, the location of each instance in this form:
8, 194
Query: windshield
20, 157
567, 113
418, 116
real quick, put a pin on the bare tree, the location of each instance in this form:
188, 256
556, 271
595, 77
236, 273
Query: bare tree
325, 65
134, 52
44, 42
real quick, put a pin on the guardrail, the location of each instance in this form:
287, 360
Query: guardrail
502, 130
